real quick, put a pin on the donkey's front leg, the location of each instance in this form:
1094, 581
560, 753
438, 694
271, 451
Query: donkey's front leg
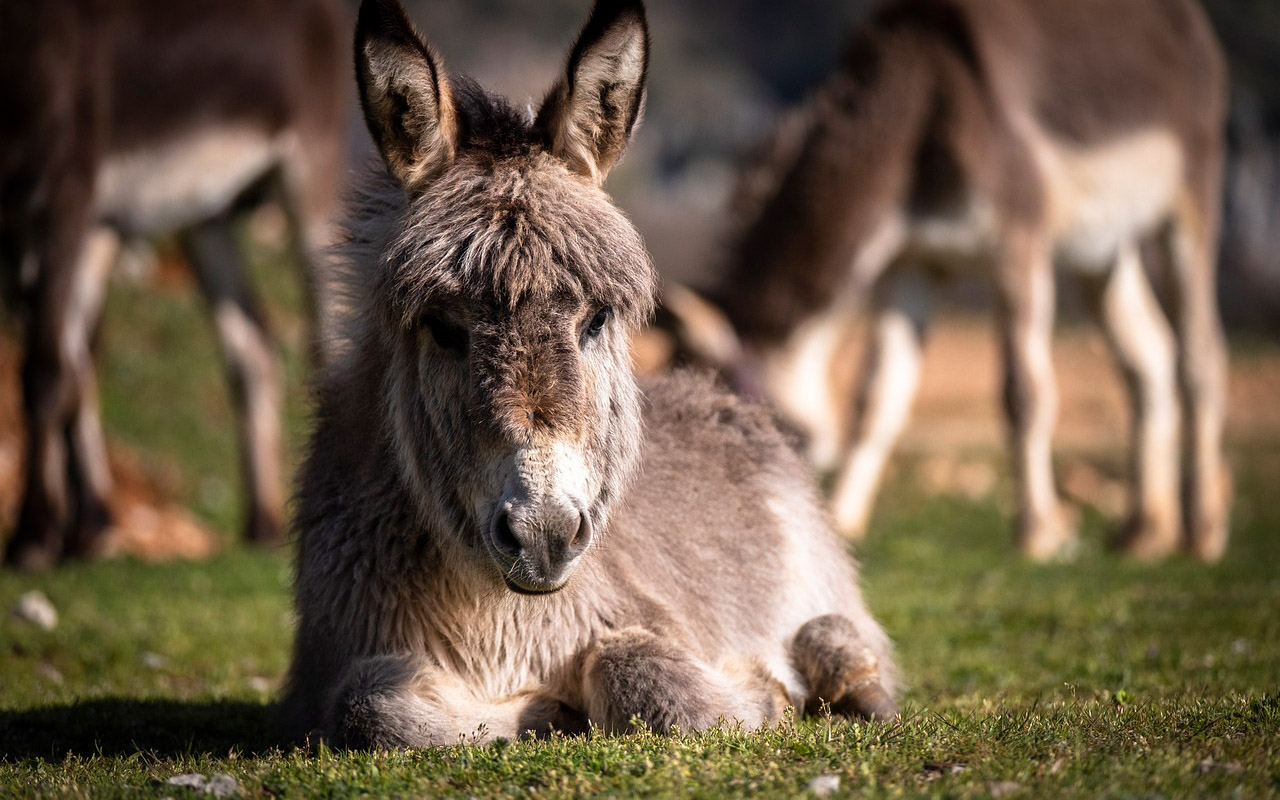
1026, 293
403, 701
890, 378
841, 670
636, 675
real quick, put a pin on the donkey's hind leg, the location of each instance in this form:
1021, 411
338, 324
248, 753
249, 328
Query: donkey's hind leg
58, 389
634, 675
1191, 243
88, 466
1143, 345
1026, 304
840, 669
254, 368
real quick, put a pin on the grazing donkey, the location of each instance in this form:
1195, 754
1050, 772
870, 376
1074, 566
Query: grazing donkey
130, 119
499, 532
1004, 136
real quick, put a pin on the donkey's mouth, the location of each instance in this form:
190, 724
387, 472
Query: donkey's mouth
528, 591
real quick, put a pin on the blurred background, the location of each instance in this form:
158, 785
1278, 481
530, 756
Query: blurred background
722, 74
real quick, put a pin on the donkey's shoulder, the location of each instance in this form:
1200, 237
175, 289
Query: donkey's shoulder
690, 410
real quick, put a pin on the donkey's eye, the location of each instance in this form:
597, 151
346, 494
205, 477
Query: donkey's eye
448, 337
597, 323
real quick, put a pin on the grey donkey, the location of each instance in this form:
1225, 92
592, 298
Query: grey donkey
500, 531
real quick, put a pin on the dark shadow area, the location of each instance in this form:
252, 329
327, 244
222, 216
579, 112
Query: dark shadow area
122, 726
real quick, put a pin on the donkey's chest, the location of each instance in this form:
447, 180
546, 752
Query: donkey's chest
516, 645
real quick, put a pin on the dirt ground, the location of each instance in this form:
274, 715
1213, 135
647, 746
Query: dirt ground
958, 407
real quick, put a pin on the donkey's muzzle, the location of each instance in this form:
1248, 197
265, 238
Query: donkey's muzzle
537, 546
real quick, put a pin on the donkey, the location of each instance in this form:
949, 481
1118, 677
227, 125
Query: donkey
136, 118
1002, 137
500, 533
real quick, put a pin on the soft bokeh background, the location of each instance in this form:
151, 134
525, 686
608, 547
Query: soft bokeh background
722, 74
1100, 677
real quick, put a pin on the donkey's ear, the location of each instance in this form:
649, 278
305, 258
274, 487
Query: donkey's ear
589, 114
406, 98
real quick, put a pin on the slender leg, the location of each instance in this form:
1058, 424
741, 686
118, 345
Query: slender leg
890, 378
254, 368
89, 468
50, 385
635, 675
309, 191
1026, 308
840, 669
1143, 345
1202, 372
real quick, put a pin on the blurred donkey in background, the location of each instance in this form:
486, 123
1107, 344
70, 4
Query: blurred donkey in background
136, 118
1003, 136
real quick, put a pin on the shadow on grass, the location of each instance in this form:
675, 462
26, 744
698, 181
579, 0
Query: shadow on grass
121, 726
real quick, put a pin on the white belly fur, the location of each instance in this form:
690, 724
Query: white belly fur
161, 188
1105, 197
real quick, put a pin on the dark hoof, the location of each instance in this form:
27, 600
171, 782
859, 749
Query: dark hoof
29, 557
263, 530
869, 701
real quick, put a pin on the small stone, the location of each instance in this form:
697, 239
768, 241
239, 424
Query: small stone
824, 785
259, 683
153, 660
1003, 788
34, 608
50, 673
219, 784
1209, 766
1240, 647
223, 785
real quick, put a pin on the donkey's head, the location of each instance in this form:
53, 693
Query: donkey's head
507, 290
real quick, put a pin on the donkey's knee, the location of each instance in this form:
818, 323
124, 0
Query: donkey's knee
375, 707
635, 675
841, 669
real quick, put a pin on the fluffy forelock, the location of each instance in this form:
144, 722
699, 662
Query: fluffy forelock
515, 231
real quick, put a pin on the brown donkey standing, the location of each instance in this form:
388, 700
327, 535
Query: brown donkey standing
133, 118
499, 532
1002, 136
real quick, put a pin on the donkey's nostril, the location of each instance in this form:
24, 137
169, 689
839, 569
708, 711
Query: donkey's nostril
582, 537
504, 538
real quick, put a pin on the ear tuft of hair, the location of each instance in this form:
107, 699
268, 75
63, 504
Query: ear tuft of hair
589, 115
405, 95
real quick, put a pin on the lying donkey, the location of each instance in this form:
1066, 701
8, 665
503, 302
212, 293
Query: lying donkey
499, 532
138, 118
999, 137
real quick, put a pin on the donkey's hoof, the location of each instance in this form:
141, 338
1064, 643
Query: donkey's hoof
1207, 542
30, 557
263, 529
1049, 541
868, 701
1145, 539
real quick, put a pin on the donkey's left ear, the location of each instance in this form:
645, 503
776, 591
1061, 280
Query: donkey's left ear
589, 114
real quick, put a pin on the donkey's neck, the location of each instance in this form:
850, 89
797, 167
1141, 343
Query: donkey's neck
820, 195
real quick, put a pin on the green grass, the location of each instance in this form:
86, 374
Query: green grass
1098, 678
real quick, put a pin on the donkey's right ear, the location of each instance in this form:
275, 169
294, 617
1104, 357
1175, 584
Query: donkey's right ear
405, 95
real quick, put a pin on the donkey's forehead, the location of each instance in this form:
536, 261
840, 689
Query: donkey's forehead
518, 231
